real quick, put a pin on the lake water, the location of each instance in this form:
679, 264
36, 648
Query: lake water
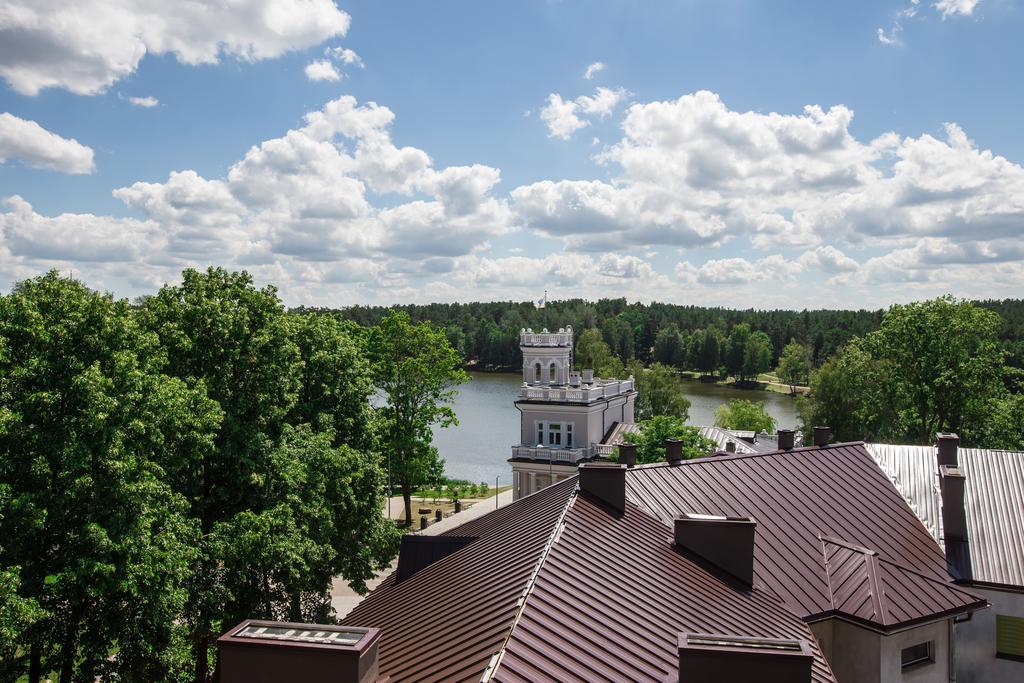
479, 447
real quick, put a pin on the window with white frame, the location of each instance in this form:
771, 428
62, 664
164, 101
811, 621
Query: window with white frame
554, 434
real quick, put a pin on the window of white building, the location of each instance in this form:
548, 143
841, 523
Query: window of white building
554, 434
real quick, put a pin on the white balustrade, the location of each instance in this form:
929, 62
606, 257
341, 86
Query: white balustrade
583, 394
568, 455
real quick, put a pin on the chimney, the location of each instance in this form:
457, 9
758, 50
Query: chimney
730, 446
419, 552
952, 484
272, 651
604, 482
673, 451
786, 438
821, 436
627, 454
588, 376
720, 658
725, 542
947, 445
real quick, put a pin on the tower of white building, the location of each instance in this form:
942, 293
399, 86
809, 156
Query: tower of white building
565, 413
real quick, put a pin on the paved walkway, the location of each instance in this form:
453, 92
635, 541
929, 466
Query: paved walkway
344, 599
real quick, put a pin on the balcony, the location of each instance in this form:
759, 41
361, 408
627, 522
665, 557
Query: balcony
568, 456
561, 338
585, 393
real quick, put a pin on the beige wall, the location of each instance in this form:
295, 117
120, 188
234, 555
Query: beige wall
590, 422
976, 641
580, 416
892, 646
858, 655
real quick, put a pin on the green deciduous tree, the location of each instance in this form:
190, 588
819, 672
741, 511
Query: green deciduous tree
281, 501
335, 383
653, 433
592, 352
321, 519
222, 333
931, 366
795, 365
706, 350
946, 363
103, 544
659, 392
853, 394
17, 614
416, 370
736, 349
668, 347
757, 356
745, 416
619, 334
1002, 426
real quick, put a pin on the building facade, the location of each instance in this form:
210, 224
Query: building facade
565, 414
971, 501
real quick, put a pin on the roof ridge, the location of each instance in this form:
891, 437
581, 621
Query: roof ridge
877, 589
740, 456
835, 540
910, 570
556, 529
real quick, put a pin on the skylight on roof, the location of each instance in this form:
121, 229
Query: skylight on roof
320, 635
752, 643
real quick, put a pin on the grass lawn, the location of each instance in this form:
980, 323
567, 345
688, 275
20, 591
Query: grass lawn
443, 503
425, 495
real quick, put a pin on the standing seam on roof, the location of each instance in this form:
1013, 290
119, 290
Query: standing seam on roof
555, 533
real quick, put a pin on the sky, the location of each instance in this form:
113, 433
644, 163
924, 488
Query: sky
707, 152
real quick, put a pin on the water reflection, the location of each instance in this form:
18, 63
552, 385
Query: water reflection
478, 448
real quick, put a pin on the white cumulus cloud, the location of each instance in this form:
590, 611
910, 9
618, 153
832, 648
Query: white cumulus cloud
693, 173
322, 70
34, 146
87, 45
345, 56
145, 102
297, 209
953, 7
593, 70
563, 117
828, 259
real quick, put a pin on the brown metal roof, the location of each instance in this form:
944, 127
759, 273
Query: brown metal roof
445, 622
799, 497
994, 500
875, 591
566, 590
612, 597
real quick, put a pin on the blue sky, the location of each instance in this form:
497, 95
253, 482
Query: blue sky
686, 169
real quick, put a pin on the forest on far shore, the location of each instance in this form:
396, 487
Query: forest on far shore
487, 334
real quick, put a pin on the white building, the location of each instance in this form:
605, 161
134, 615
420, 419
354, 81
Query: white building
971, 501
565, 414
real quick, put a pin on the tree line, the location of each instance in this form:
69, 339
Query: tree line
933, 366
488, 333
171, 467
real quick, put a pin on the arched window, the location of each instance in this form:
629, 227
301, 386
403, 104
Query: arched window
536, 372
553, 373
